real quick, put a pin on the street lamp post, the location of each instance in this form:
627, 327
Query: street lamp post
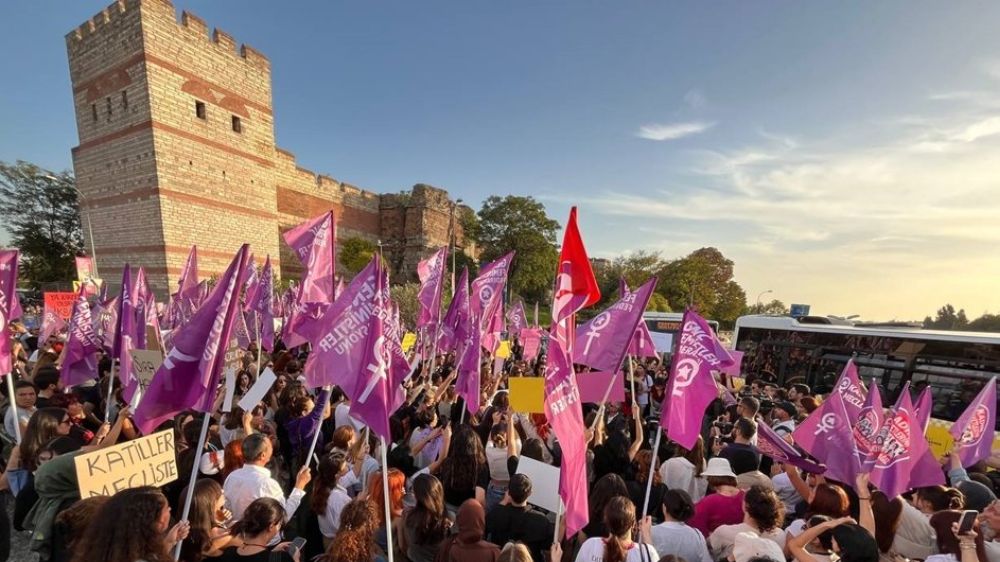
762, 293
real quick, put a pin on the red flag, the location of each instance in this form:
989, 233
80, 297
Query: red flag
576, 286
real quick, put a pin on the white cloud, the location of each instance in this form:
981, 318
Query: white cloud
672, 131
695, 99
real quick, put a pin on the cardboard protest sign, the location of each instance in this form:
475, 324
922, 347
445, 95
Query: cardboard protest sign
61, 303
594, 385
227, 402
527, 394
544, 483
84, 268
145, 362
503, 352
146, 461
409, 338
258, 390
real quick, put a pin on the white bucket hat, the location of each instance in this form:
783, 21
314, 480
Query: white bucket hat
718, 466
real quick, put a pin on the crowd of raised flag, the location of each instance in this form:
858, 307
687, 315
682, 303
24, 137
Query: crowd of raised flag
372, 451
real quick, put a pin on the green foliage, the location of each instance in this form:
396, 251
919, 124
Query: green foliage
405, 296
520, 224
636, 268
657, 303
354, 254
40, 211
986, 323
703, 279
947, 319
773, 307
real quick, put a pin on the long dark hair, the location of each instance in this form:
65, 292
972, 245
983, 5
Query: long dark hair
466, 459
124, 529
258, 518
427, 518
605, 489
855, 544
326, 480
202, 518
619, 518
42, 428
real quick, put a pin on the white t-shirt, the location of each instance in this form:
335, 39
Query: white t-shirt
342, 416
722, 539
22, 414
329, 521
592, 550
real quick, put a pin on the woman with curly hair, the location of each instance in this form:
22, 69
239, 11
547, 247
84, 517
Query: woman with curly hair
424, 526
133, 525
355, 541
763, 515
465, 473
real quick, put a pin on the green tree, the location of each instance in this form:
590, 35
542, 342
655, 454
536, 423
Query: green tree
986, 323
947, 319
405, 296
520, 224
657, 303
40, 211
355, 253
773, 307
703, 279
636, 268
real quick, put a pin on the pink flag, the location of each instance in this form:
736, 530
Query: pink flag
575, 288
973, 431
531, 342
492, 330
145, 309
923, 407
468, 357
641, 344
515, 315
602, 342
431, 274
826, 434
262, 304
10, 307
127, 334
314, 242
189, 376
902, 443
692, 385
486, 295
851, 390
52, 323
79, 360
375, 388
866, 428
106, 322
188, 281
458, 307
772, 445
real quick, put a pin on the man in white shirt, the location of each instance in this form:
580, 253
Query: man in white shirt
784, 415
254, 481
25, 396
342, 416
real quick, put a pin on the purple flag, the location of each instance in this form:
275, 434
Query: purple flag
241, 332
263, 305
10, 307
431, 274
692, 385
189, 375
826, 434
923, 407
459, 305
866, 428
145, 309
127, 335
531, 342
52, 324
515, 315
563, 412
851, 390
772, 445
641, 344
602, 342
79, 360
250, 286
973, 431
491, 332
486, 294
313, 242
468, 358
106, 322
188, 280
901, 444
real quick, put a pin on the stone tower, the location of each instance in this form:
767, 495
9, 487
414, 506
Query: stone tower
176, 148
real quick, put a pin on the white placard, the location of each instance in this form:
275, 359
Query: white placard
544, 483
227, 403
258, 390
664, 343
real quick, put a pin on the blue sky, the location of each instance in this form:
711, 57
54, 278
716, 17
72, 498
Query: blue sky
843, 154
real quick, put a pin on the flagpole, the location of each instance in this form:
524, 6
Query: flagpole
559, 512
111, 392
194, 477
385, 492
631, 376
13, 404
652, 467
260, 348
315, 438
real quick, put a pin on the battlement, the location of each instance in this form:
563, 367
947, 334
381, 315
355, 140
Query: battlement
115, 11
197, 27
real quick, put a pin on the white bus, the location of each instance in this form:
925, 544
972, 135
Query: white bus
664, 327
814, 350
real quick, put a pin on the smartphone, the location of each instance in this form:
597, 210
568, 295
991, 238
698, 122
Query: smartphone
967, 521
296, 546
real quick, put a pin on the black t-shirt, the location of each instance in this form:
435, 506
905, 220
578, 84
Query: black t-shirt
231, 554
456, 496
743, 458
511, 523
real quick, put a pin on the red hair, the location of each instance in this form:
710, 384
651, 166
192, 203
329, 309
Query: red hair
232, 457
397, 488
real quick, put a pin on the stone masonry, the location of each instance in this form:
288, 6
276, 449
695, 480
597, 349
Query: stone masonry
177, 148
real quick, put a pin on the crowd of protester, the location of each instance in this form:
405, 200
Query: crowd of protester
455, 493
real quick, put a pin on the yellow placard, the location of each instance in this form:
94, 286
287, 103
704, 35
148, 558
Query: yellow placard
409, 339
503, 352
146, 461
737, 383
527, 394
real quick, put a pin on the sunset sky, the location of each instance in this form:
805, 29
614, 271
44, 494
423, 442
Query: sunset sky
844, 155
